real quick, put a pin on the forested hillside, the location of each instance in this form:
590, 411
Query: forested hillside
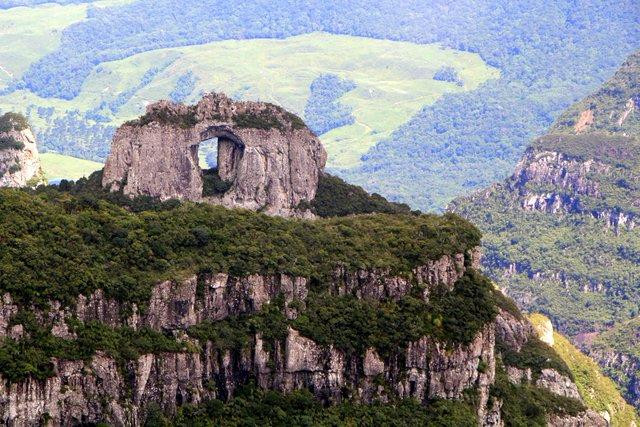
463, 141
561, 234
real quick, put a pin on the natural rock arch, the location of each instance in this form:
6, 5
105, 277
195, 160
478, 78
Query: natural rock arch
268, 155
230, 150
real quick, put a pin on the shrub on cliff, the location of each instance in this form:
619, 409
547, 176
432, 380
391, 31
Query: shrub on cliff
252, 406
10, 143
13, 121
335, 197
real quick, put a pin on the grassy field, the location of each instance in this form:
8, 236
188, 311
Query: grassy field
57, 166
394, 80
27, 34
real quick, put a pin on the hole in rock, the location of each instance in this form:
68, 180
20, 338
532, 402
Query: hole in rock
219, 155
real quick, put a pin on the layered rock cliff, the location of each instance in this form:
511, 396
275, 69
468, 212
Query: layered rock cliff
19, 162
102, 388
268, 159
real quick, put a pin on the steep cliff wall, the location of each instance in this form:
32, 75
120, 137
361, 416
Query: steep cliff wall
19, 162
268, 159
104, 388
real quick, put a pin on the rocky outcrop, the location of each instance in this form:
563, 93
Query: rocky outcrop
587, 418
19, 161
544, 328
555, 182
558, 384
568, 176
267, 157
176, 305
512, 330
101, 390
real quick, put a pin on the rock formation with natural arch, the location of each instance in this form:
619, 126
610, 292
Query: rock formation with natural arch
268, 160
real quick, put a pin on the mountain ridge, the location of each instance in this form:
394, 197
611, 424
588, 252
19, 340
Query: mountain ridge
560, 233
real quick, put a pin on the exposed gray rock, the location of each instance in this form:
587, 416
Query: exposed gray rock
101, 391
513, 331
20, 167
587, 418
560, 170
558, 384
271, 159
518, 376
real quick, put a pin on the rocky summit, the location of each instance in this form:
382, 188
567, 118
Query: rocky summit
268, 160
19, 162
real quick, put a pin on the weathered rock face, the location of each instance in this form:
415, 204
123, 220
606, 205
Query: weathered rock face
102, 390
19, 161
587, 418
267, 156
558, 384
557, 170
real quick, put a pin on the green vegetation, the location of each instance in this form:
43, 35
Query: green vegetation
31, 355
612, 106
429, 143
265, 120
335, 197
535, 355
572, 266
598, 391
184, 119
10, 143
448, 74
345, 322
252, 406
278, 71
237, 332
354, 325
59, 166
70, 238
324, 111
13, 121
620, 150
577, 266
526, 405
569, 253
31, 34
212, 184
623, 338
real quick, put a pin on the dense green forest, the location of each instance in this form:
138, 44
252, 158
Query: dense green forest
323, 111
580, 264
253, 406
60, 241
70, 238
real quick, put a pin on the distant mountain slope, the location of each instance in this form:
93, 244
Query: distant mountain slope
281, 71
560, 235
549, 55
